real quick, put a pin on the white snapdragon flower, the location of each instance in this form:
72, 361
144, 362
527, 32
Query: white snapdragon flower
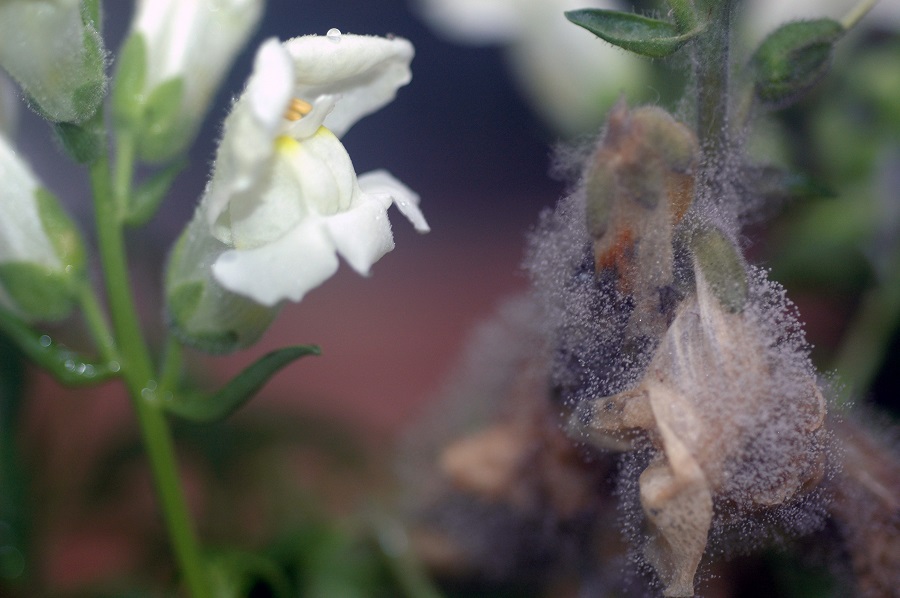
56, 54
284, 199
188, 44
569, 74
40, 249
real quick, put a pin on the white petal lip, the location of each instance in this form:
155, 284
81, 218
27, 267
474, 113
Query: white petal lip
365, 71
381, 182
288, 268
362, 235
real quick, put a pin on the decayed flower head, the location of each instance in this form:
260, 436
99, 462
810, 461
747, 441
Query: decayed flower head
735, 418
567, 72
194, 42
284, 199
55, 53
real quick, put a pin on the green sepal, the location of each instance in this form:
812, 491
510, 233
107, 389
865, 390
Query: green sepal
204, 408
161, 125
91, 14
61, 230
67, 366
128, 85
84, 142
237, 573
146, 198
722, 267
792, 59
648, 37
39, 292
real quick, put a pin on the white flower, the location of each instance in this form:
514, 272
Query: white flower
570, 75
284, 199
55, 55
40, 249
194, 41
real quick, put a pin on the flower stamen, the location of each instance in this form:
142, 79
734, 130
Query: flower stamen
297, 109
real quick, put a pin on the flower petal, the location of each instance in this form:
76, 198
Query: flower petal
382, 183
284, 269
362, 234
365, 71
250, 130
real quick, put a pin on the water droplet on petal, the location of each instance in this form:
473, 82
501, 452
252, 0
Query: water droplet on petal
334, 34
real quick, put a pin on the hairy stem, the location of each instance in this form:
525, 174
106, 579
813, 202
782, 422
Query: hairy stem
137, 372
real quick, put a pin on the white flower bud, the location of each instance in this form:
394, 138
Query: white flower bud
56, 54
172, 64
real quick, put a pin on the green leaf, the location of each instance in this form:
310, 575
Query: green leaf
128, 86
792, 59
722, 267
203, 408
147, 197
67, 366
648, 37
39, 292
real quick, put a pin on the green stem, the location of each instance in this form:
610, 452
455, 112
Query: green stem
856, 13
137, 371
170, 369
124, 172
97, 324
711, 72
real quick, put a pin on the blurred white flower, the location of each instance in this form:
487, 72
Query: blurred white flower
284, 198
193, 42
569, 74
55, 54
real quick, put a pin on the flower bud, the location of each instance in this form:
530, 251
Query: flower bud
200, 311
172, 64
54, 51
41, 254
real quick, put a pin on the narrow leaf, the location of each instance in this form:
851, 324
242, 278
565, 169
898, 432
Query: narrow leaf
147, 197
67, 366
652, 38
204, 408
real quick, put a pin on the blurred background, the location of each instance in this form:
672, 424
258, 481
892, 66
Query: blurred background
471, 135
